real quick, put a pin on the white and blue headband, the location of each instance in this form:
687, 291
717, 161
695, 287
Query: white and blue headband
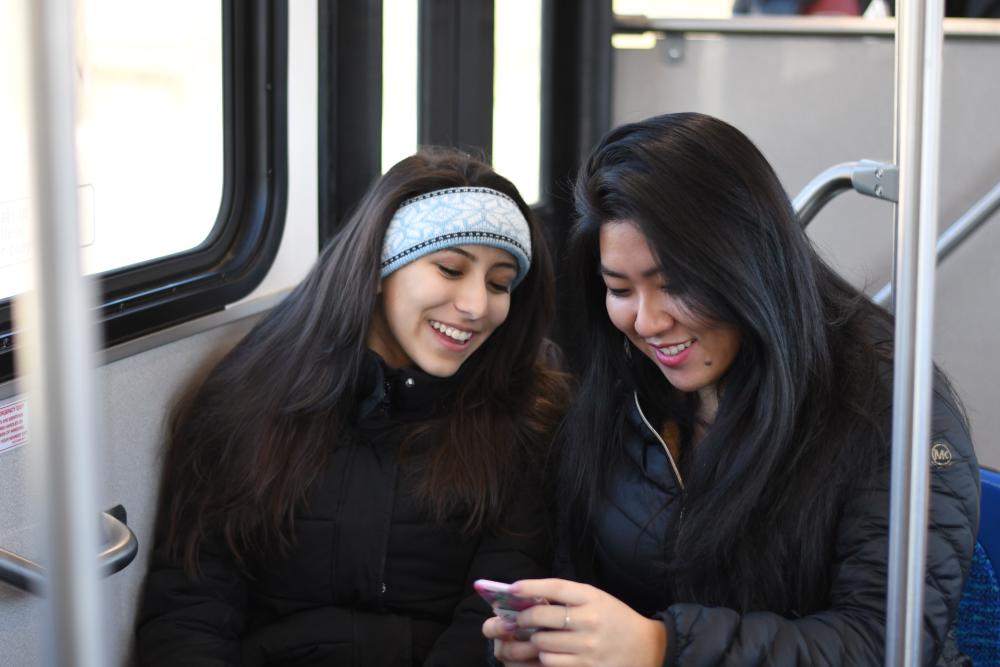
456, 216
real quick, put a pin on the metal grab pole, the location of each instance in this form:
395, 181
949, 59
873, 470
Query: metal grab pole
919, 38
59, 350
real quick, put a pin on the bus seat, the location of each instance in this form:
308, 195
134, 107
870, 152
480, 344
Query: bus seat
978, 623
989, 515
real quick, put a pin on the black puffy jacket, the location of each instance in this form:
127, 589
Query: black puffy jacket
637, 523
371, 580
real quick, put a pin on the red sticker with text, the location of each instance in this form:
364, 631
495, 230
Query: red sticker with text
13, 425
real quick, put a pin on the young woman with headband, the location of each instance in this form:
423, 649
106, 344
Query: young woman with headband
336, 483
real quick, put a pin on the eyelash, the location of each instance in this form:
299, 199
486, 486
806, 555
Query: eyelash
455, 273
623, 292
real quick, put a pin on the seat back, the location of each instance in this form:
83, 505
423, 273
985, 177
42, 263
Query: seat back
989, 515
978, 623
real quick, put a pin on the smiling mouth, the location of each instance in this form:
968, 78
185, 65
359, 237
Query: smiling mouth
674, 350
457, 335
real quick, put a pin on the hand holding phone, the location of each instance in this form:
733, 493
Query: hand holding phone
505, 604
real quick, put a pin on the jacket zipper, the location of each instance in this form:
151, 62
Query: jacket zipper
666, 450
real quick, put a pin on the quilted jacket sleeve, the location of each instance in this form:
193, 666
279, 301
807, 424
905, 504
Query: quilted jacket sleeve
520, 549
196, 621
852, 630
201, 622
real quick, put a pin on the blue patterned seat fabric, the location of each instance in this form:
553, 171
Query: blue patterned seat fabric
978, 626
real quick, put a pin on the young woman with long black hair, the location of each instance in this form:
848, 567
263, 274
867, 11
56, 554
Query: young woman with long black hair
336, 482
725, 466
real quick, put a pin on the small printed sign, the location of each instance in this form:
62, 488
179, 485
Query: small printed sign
13, 425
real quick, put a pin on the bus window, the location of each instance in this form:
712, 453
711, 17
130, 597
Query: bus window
399, 80
182, 157
149, 135
675, 9
517, 89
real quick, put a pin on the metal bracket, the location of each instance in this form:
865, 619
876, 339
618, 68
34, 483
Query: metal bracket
876, 179
674, 46
868, 177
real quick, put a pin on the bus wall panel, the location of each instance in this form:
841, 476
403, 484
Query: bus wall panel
135, 397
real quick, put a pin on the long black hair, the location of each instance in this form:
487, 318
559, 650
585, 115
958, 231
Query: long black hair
245, 443
802, 415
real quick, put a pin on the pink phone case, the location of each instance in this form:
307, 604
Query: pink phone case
504, 603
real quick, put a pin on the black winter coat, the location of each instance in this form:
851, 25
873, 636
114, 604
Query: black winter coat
371, 580
637, 525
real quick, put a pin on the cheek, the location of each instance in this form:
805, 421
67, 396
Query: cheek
400, 311
727, 346
621, 314
734, 346
499, 309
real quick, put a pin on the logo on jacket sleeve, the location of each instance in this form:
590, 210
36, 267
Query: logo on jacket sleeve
940, 454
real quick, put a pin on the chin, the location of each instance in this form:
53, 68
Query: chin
439, 368
682, 384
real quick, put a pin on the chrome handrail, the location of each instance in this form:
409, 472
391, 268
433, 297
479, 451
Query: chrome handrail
868, 177
121, 547
832, 26
959, 230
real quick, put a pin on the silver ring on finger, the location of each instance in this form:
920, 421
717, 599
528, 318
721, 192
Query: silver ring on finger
565, 625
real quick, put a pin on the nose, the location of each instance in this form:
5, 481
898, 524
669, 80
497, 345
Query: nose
652, 317
471, 298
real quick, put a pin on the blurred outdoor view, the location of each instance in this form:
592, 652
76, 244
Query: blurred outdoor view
149, 131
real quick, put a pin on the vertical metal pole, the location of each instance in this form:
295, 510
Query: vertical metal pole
59, 350
919, 36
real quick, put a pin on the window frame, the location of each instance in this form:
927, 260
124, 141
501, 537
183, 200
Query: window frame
154, 295
350, 108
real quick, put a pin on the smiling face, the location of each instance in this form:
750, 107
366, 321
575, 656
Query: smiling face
693, 354
436, 311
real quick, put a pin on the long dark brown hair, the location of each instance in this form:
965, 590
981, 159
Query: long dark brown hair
802, 420
246, 442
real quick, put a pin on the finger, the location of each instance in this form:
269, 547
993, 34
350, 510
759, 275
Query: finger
496, 627
560, 660
514, 651
554, 590
558, 642
550, 616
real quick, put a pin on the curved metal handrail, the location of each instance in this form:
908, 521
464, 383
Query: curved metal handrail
120, 550
876, 179
868, 177
952, 237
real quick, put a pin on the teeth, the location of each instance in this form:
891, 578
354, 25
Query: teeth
451, 332
677, 349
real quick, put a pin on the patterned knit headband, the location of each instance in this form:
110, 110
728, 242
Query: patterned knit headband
456, 216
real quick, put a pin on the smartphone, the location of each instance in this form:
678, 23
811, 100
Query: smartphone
505, 604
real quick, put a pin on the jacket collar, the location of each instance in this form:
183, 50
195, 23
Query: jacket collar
400, 394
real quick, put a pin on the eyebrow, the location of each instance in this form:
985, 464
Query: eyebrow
648, 273
468, 255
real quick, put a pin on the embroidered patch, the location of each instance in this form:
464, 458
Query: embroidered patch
940, 454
